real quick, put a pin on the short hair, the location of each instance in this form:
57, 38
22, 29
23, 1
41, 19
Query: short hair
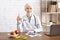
28, 5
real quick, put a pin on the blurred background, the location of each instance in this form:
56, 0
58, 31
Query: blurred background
47, 10
9, 10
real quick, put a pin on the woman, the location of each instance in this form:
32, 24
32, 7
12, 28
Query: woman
29, 22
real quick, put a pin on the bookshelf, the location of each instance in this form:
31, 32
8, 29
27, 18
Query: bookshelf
49, 12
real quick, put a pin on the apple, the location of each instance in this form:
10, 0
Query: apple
12, 33
16, 31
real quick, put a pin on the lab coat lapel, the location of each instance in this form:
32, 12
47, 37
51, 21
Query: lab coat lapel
26, 18
32, 20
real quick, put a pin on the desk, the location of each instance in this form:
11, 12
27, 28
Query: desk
4, 36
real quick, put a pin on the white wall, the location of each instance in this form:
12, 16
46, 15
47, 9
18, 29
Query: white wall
9, 10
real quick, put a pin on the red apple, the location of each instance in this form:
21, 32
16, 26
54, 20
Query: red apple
16, 31
12, 33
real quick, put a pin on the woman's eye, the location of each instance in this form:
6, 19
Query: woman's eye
27, 8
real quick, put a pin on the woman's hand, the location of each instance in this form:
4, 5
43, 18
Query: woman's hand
18, 19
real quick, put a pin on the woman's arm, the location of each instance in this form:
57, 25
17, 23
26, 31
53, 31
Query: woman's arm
19, 24
22, 25
38, 25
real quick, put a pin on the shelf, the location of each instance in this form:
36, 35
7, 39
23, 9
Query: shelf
49, 12
52, 12
47, 24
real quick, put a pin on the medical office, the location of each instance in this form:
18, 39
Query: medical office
47, 10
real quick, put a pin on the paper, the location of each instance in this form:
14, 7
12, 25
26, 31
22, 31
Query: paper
34, 35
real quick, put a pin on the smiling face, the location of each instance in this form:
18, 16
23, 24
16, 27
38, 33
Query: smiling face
28, 9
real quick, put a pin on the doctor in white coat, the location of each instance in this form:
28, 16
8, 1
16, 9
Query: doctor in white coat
29, 22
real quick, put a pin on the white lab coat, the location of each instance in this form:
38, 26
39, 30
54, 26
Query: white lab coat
24, 25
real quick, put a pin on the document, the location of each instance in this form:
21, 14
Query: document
34, 35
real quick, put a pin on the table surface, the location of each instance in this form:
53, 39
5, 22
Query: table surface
4, 36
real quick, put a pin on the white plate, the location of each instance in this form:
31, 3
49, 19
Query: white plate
13, 35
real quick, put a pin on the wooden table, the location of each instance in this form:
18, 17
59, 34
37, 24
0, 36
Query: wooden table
4, 36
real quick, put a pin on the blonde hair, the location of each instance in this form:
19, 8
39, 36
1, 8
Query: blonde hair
28, 5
